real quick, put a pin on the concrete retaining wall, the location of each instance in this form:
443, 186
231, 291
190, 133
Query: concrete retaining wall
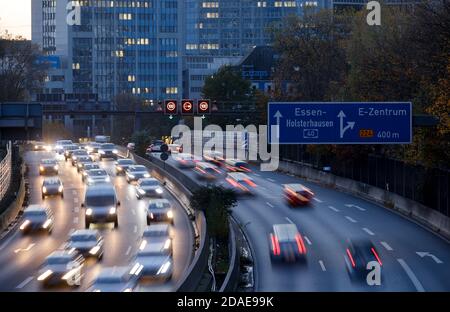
10, 214
425, 215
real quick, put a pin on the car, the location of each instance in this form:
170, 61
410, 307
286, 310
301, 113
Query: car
148, 187
241, 183
52, 186
136, 172
107, 150
175, 148
48, 167
68, 150
59, 145
37, 218
114, 279
215, 157
236, 165
87, 242
62, 267
122, 165
185, 160
83, 160
95, 176
77, 153
93, 147
86, 167
208, 171
159, 210
101, 204
286, 243
102, 139
151, 263
155, 147
41, 146
297, 194
358, 254
158, 233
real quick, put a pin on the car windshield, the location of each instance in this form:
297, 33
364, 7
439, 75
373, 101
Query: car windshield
35, 213
58, 260
97, 172
113, 279
149, 183
91, 166
52, 182
49, 162
100, 200
107, 146
125, 162
83, 237
137, 169
158, 205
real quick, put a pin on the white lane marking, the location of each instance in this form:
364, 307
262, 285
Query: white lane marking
24, 283
269, 204
74, 192
411, 275
133, 212
334, 209
428, 254
350, 219
76, 209
75, 200
318, 200
271, 180
386, 245
24, 249
307, 240
355, 206
75, 220
289, 220
135, 229
322, 265
128, 251
256, 174
368, 231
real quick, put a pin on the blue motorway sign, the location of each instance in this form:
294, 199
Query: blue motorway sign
340, 122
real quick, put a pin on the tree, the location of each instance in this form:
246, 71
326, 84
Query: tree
54, 130
216, 202
20, 71
142, 140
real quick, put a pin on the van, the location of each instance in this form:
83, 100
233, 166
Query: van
101, 204
102, 139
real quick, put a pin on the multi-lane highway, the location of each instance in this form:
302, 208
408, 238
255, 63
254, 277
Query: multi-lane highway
413, 258
22, 255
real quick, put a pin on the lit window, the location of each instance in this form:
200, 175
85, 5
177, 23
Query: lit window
212, 15
76, 66
131, 78
171, 90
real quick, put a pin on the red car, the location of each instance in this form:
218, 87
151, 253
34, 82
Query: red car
297, 194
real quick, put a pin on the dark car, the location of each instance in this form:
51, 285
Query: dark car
62, 267
37, 218
101, 205
52, 186
107, 150
136, 172
122, 165
286, 243
69, 149
159, 210
76, 154
87, 242
155, 147
48, 166
357, 255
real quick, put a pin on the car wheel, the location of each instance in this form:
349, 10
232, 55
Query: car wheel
88, 224
43, 197
62, 195
116, 223
138, 196
148, 221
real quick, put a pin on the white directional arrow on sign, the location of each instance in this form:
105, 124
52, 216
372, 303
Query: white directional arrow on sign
278, 116
423, 254
350, 124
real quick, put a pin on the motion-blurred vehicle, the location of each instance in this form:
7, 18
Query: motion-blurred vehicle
151, 263
59, 145
159, 210
107, 150
76, 154
357, 255
41, 146
62, 267
68, 150
148, 187
185, 160
86, 167
136, 172
208, 171
101, 205
155, 147
236, 165
157, 233
241, 183
87, 242
48, 166
297, 194
96, 176
122, 165
114, 279
286, 243
93, 147
175, 148
214, 157
52, 186
102, 139
83, 160
37, 218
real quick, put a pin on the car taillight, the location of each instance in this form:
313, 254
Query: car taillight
244, 168
351, 258
300, 244
232, 182
250, 182
275, 245
200, 170
376, 255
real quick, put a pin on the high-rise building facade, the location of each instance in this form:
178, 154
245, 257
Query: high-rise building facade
118, 47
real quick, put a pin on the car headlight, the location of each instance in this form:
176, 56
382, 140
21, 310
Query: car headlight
69, 274
47, 223
90, 180
56, 167
170, 214
131, 176
141, 191
108, 179
143, 244
164, 268
147, 175
41, 168
48, 148
36, 147
136, 269
24, 225
74, 157
94, 250
44, 189
101, 152
159, 190
45, 275
58, 147
112, 210
79, 165
127, 290
88, 211
60, 188
167, 243
115, 151
119, 168
151, 215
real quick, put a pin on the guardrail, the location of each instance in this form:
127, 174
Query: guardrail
230, 282
5, 171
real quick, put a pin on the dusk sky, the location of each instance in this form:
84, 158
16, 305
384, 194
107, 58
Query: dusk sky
15, 16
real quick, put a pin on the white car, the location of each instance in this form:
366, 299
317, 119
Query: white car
115, 279
95, 176
185, 160
148, 187
62, 267
136, 172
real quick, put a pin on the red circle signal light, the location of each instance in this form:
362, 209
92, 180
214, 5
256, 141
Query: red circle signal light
203, 107
187, 107
170, 107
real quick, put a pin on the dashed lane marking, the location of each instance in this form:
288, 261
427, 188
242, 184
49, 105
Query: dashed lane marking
322, 265
350, 219
333, 208
386, 245
368, 231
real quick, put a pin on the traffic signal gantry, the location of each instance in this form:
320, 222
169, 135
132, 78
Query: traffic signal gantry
187, 107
